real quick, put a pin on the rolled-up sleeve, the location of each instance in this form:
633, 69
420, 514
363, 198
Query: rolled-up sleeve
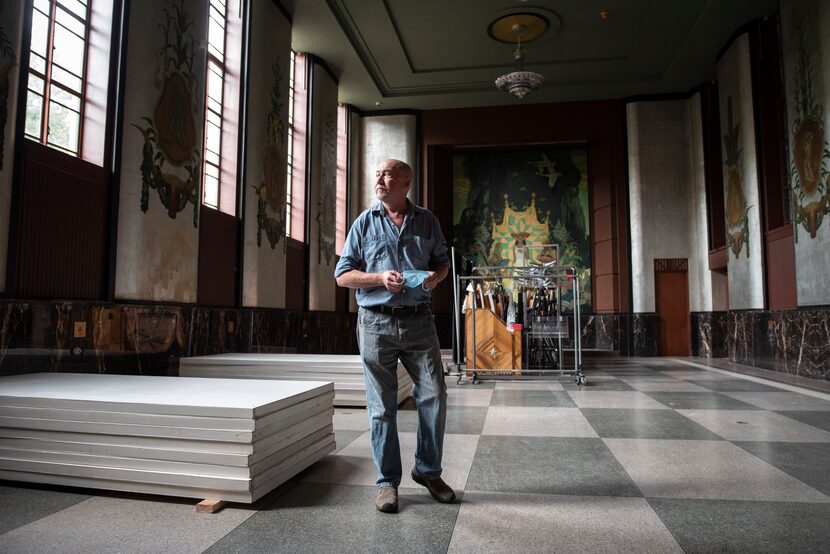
352, 255
438, 257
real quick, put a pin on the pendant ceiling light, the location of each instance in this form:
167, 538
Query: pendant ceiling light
519, 82
519, 27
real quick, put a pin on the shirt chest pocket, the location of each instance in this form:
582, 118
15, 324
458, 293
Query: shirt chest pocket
374, 248
419, 248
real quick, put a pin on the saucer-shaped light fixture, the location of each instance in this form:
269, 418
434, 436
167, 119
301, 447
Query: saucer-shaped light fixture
519, 82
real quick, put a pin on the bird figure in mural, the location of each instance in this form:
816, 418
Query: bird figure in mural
547, 169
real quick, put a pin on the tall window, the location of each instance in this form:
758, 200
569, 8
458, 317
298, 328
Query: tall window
297, 133
57, 71
222, 93
214, 99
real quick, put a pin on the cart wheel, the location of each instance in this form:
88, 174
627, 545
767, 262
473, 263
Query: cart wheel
580, 380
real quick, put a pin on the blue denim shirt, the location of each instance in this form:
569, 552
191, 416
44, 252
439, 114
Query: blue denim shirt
374, 244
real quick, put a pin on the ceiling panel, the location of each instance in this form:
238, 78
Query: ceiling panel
437, 53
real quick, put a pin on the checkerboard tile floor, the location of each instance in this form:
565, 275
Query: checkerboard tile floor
652, 455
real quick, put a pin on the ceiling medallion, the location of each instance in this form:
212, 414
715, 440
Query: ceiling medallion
519, 82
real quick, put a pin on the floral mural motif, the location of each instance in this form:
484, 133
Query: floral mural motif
7, 62
810, 151
171, 162
271, 192
737, 212
326, 212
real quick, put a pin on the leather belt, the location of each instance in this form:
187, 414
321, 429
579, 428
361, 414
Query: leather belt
400, 311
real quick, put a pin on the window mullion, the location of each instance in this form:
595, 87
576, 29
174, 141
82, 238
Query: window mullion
50, 46
83, 80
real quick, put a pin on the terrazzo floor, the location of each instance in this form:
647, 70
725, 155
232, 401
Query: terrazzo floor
652, 455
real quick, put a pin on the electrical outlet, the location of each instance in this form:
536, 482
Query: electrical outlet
230, 327
80, 330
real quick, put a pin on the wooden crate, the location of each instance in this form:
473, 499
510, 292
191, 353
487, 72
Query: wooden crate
496, 347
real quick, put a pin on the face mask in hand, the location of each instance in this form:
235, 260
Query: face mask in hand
414, 277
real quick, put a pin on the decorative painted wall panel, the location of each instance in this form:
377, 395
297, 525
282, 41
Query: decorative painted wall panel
667, 197
322, 201
11, 22
160, 191
740, 176
804, 25
266, 179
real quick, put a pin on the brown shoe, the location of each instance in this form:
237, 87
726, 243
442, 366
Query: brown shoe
439, 490
387, 500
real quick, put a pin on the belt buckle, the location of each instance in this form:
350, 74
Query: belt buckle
398, 310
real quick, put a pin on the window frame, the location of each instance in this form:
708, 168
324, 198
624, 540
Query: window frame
211, 59
46, 76
296, 186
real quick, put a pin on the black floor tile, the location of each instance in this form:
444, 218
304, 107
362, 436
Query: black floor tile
318, 517
751, 527
733, 385
699, 401
816, 419
808, 462
599, 384
645, 424
553, 465
20, 505
461, 420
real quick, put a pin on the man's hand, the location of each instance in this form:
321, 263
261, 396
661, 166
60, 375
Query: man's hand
431, 282
391, 280
435, 277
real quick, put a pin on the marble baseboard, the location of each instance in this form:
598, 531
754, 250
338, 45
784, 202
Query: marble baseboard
709, 334
794, 342
149, 339
601, 331
638, 334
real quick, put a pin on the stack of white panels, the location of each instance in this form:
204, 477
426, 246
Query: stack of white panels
345, 370
230, 439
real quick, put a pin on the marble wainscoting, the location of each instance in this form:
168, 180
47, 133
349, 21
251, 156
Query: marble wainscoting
709, 334
601, 331
149, 339
638, 334
795, 342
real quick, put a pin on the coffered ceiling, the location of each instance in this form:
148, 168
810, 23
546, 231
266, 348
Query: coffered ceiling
428, 54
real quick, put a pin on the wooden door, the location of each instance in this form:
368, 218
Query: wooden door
671, 295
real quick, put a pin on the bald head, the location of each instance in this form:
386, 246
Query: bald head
402, 168
392, 184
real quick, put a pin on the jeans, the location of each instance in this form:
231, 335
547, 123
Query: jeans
383, 339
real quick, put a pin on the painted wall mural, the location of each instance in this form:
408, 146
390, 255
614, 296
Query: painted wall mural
170, 134
271, 192
737, 210
322, 199
326, 207
810, 150
741, 181
805, 43
266, 179
535, 196
159, 194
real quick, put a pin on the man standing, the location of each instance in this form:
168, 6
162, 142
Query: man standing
395, 322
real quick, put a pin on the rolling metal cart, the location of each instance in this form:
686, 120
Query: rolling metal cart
529, 343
